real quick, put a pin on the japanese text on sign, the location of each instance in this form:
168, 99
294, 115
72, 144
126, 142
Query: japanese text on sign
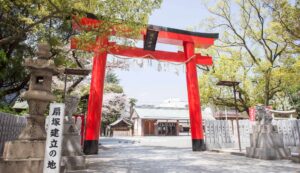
54, 138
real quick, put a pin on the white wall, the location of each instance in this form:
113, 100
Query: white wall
137, 127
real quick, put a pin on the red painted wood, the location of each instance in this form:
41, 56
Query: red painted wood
163, 36
84, 23
134, 52
158, 55
178, 39
93, 121
193, 93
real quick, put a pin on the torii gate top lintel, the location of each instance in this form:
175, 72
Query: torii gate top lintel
162, 34
177, 36
151, 35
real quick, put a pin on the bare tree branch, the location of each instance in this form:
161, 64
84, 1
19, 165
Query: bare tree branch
204, 68
76, 59
75, 84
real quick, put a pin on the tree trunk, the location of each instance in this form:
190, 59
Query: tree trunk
267, 87
75, 84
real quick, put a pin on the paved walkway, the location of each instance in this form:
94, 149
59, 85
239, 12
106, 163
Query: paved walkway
173, 154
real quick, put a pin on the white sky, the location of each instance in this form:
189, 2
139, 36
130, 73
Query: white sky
147, 84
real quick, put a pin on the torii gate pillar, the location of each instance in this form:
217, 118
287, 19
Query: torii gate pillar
93, 120
194, 99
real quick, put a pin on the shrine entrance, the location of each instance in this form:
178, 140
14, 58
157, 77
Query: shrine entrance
150, 35
167, 129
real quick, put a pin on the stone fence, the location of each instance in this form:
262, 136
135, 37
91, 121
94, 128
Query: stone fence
223, 133
12, 125
10, 128
218, 133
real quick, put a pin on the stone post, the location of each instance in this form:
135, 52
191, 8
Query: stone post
266, 143
26, 154
73, 157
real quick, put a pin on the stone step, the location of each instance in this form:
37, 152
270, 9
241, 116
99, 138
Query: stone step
23, 149
295, 157
268, 153
22, 165
73, 163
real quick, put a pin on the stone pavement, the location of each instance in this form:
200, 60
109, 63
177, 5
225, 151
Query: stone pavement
173, 154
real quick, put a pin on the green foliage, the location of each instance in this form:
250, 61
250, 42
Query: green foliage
3, 58
111, 78
112, 88
25, 23
126, 17
286, 18
111, 84
132, 101
226, 68
288, 75
8, 109
256, 49
3, 61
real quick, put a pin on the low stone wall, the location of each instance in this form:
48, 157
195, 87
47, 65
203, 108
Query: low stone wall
223, 133
219, 134
290, 131
10, 128
12, 125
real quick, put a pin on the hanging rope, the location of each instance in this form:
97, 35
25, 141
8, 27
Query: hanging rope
154, 58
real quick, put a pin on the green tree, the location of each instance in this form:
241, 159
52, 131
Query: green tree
227, 68
24, 23
287, 16
249, 38
111, 78
132, 103
111, 84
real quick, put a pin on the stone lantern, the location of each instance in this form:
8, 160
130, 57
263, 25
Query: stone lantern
26, 154
39, 94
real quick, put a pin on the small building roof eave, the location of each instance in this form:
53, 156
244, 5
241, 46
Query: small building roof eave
120, 120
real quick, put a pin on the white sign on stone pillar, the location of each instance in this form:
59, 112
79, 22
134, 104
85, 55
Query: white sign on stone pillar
54, 138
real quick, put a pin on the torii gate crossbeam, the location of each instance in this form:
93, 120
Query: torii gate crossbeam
151, 35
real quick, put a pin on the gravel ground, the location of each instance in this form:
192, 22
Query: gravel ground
174, 154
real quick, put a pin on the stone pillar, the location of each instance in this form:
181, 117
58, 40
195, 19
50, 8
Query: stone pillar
265, 142
26, 154
72, 155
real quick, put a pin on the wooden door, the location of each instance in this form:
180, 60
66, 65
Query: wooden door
149, 128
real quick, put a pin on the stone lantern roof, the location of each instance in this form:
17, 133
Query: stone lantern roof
42, 61
46, 65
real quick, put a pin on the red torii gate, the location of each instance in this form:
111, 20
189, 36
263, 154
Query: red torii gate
151, 35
